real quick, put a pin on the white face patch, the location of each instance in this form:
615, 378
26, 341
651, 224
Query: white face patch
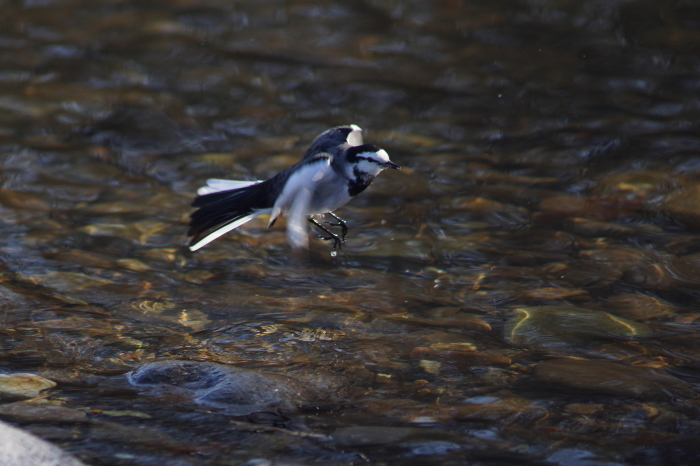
382, 155
372, 162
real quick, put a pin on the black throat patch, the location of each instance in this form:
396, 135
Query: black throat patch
360, 183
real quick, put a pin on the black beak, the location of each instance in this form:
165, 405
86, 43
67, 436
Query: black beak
391, 164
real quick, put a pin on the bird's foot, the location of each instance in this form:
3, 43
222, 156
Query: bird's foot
343, 232
337, 241
341, 223
329, 235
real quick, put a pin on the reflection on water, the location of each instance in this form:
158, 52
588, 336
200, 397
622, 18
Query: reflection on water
524, 291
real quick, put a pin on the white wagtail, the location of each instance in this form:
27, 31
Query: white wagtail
336, 167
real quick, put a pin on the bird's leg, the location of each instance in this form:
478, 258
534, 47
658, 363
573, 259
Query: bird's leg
341, 223
331, 236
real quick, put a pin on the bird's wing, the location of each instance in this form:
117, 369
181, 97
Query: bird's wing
296, 197
355, 136
214, 185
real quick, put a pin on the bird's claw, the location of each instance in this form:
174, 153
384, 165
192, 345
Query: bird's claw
344, 229
338, 242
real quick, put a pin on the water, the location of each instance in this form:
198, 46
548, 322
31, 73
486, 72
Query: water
550, 156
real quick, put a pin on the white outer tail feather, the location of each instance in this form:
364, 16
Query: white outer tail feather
226, 228
214, 185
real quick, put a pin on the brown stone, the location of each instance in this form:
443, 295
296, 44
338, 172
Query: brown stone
609, 378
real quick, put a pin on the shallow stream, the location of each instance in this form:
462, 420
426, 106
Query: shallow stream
524, 291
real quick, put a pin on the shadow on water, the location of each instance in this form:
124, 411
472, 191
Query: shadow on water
524, 291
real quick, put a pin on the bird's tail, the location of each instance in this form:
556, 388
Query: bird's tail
222, 211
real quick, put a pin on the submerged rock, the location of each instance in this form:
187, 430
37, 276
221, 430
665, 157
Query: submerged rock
580, 457
41, 412
640, 307
384, 435
682, 205
563, 326
22, 385
238, 391
604, 377
638, 183
497, 410
20, 448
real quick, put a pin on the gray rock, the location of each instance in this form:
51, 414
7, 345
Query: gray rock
20, 448
238, 391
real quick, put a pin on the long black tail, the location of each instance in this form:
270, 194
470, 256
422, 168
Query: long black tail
221, 208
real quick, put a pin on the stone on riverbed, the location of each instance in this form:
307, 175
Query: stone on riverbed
564, 326
682, 205
22, 385
238, 391
41, 412
604, 377
20, 448
356, 436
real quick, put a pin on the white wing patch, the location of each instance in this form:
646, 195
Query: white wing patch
297, 228
214, 185
355, 136
226, 228
295, 200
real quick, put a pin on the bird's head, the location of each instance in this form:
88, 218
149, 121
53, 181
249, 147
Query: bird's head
367, 160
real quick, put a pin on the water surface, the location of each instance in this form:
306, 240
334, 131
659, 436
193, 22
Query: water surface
525, 291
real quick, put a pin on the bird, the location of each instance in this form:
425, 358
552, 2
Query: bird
336, 167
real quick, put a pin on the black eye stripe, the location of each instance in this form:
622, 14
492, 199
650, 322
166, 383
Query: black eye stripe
367, 159
354, 152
